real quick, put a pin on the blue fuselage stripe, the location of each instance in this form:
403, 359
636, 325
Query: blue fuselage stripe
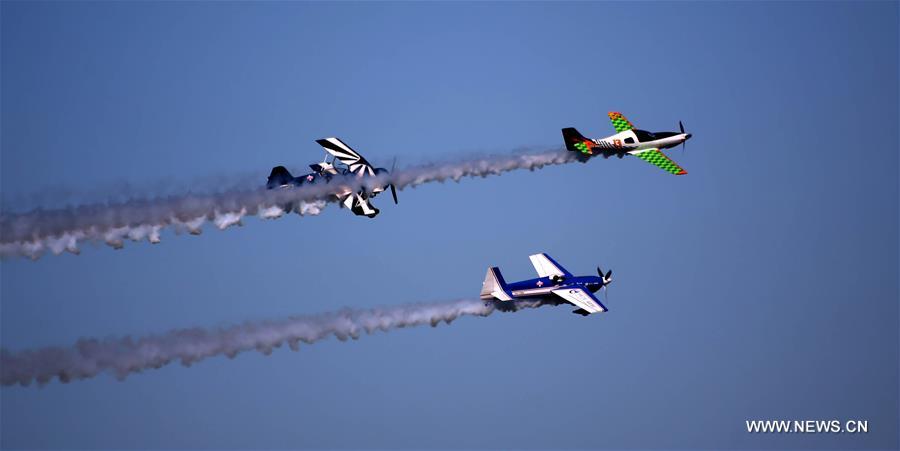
543, 286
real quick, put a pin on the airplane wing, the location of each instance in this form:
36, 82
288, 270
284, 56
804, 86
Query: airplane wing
659, 159
357, 164
619, 122
359, 205
547, 267
581, 298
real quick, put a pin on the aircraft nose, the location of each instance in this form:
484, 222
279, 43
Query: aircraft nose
688, 136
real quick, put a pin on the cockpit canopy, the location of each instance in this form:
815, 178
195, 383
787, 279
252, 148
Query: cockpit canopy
645, 136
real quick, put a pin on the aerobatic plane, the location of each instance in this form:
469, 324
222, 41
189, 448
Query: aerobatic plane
631, 141
553, 282
344, 161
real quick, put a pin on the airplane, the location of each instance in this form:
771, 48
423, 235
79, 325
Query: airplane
553, 282
350, 162
629, 140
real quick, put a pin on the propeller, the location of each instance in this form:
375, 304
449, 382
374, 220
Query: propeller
394, 188
606, 279
688, 136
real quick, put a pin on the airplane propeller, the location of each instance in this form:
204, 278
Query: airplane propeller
606, 278
683, 143
394, 188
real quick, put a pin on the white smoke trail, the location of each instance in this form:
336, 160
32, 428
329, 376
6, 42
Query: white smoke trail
33, 233
124, 356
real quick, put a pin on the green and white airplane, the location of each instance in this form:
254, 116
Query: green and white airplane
631, 141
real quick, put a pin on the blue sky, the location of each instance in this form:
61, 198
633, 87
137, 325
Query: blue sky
762, 285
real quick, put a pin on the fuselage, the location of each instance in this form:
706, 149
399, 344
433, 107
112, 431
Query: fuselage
543, 286
632, 140
307, 179
324, 175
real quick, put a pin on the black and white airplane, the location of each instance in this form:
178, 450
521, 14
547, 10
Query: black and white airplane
553, 282
344, 161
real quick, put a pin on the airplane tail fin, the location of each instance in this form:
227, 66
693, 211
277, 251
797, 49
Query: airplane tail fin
576, 142
494, 287
278, 177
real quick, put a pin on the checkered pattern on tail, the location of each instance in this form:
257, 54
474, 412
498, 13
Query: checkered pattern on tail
660, 160
576, 142
584, 147
619, 122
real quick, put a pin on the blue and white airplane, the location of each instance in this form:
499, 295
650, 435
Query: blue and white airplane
553, 281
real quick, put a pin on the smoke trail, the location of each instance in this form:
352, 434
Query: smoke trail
124, 356
33, 233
